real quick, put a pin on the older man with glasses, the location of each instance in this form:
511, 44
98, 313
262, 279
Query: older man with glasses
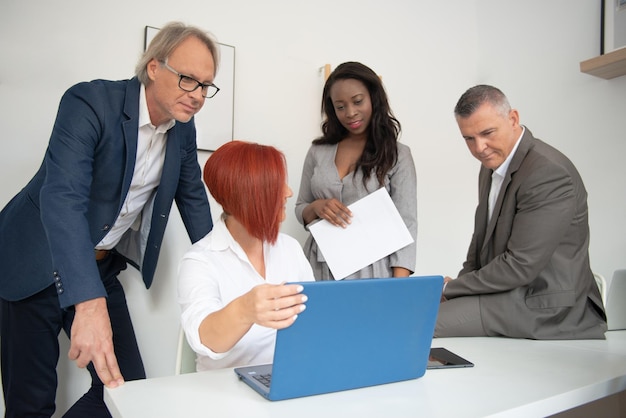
119, 154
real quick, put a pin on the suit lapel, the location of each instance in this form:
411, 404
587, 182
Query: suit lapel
484, 183
131, 131
171, 167
525, 145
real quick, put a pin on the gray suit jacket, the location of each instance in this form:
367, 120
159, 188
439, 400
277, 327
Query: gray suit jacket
530, 263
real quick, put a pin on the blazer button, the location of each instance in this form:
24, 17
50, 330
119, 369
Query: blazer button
60, 291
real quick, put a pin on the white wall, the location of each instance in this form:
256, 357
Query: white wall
427, 52
534, 52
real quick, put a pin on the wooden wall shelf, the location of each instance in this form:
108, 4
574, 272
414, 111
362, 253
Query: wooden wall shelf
607, 66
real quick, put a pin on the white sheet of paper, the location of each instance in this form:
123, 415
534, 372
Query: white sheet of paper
377, 230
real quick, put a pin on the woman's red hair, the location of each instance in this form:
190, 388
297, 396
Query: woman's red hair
248, 180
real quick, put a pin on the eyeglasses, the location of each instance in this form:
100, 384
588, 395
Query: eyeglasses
190, 84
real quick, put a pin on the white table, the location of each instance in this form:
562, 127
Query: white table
511, 378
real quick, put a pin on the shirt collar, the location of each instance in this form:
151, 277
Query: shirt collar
144, 114
222, 240
221, 236
501, 171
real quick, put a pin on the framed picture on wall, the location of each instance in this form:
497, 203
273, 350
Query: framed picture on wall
613, 25
214, 122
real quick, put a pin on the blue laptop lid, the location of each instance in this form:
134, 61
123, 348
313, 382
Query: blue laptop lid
356, 333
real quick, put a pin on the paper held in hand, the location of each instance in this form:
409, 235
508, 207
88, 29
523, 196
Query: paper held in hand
377, 230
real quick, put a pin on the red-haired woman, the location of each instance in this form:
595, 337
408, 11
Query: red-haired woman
231, 282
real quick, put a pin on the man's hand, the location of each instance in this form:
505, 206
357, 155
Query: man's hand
92, 341
445, 282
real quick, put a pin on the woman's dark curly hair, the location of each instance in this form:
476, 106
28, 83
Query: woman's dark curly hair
381, 151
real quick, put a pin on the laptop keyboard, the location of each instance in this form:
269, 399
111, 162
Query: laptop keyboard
264, 379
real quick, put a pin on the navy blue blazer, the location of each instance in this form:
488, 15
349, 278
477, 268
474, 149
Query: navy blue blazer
48, 231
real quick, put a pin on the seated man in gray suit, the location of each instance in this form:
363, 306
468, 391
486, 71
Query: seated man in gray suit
527, 273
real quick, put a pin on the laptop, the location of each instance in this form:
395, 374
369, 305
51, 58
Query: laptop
353, 333
615, 305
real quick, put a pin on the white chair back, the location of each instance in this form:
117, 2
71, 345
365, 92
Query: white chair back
185, 356
616, 301
601, 282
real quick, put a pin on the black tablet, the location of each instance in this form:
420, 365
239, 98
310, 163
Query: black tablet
440, 358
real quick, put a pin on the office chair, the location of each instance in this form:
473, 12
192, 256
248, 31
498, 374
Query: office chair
616, 301
601, 282
185, 356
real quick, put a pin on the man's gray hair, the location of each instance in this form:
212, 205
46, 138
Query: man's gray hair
478, 95
167, 40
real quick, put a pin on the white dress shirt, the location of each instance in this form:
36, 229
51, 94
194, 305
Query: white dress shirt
151, 141
215, 271
498, 175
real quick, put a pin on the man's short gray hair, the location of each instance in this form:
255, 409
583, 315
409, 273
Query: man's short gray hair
478, 95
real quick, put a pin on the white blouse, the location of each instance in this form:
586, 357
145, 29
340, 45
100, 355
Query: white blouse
215, 271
